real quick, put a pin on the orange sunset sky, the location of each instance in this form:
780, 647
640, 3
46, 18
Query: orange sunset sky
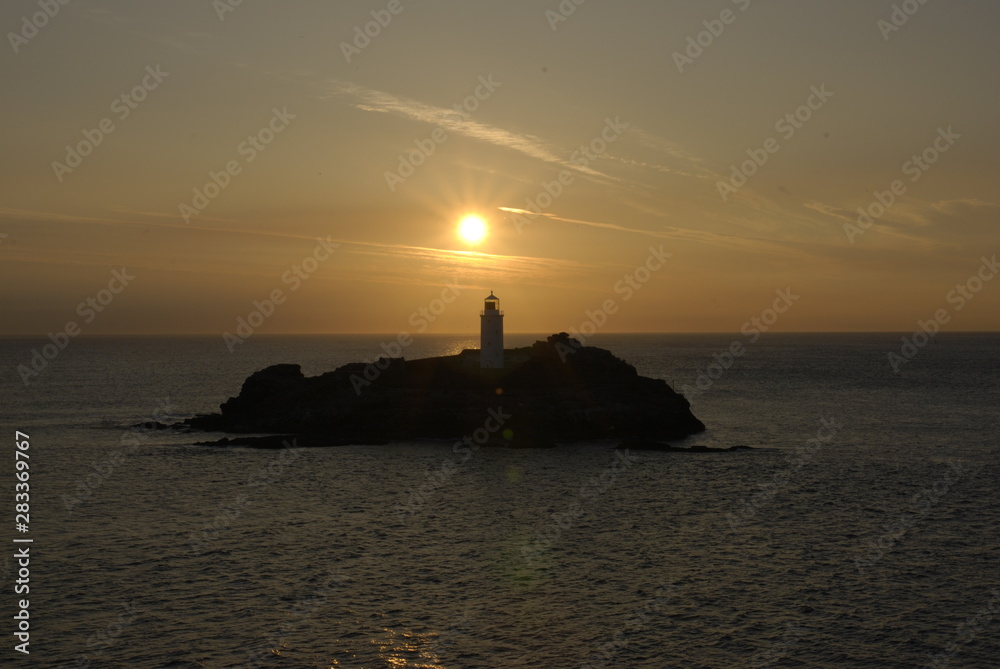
740, 137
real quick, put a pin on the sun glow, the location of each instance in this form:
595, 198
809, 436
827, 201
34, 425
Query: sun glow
472, 229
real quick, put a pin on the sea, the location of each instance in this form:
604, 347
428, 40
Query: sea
861, 529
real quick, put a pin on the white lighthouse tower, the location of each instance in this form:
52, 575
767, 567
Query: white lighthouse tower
491, 334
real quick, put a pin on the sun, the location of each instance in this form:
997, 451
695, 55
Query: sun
472, 229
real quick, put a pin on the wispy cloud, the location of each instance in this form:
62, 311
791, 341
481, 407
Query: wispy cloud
371, 100
919, 213
591, 224
890, 225
470, 265
735, 242
830, 210
681, 162
955, 206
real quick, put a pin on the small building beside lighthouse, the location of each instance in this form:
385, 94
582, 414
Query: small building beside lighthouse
491, 334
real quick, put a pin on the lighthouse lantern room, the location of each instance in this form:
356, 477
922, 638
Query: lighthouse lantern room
491, 334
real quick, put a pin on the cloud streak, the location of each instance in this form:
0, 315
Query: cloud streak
371, 100
735, 242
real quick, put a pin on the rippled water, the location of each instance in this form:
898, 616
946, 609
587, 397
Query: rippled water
875, 546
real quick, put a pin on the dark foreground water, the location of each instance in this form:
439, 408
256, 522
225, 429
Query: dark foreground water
863, 532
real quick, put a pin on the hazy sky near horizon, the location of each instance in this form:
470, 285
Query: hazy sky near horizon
309, 130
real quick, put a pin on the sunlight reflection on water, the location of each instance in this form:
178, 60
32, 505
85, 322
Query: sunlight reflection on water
406, 649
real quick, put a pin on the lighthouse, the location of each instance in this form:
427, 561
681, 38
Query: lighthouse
491, 334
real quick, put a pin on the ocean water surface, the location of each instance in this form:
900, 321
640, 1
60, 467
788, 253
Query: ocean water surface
862, 531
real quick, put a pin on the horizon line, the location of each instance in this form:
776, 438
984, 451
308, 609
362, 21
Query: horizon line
476, 334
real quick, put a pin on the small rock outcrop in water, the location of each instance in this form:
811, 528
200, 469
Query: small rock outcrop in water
647, 445
554, 390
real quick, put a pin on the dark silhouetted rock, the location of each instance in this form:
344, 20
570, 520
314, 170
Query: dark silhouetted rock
556, 390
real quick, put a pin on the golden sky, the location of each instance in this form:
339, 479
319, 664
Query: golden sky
688, 160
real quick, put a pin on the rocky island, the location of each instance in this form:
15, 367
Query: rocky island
554, 390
